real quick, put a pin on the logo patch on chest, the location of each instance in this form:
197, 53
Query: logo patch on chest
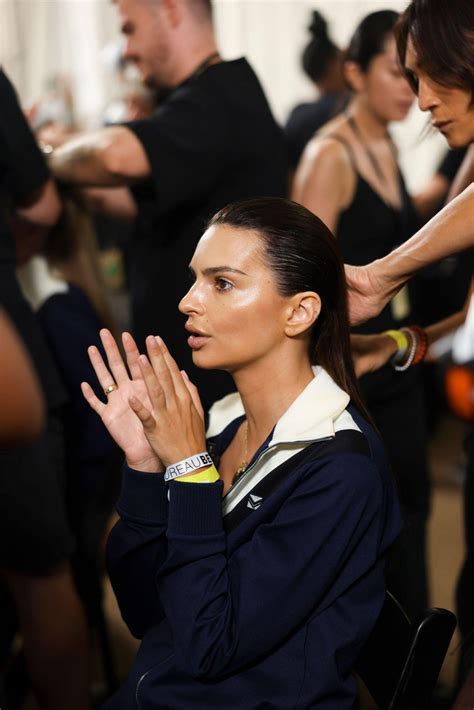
254, 502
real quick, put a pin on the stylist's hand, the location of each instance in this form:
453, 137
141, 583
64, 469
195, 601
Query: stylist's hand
367, 293
118, 417
174, 423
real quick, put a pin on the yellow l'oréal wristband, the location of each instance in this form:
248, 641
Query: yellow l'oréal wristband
209, 475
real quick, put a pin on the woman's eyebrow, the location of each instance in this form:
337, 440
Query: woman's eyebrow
219, 269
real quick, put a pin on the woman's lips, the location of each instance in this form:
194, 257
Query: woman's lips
197, 341
441, 126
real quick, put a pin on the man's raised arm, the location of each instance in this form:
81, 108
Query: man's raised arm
109, 157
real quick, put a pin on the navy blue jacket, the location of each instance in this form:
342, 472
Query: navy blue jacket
262, 601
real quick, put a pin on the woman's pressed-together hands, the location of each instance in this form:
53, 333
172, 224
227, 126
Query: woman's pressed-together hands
153, 411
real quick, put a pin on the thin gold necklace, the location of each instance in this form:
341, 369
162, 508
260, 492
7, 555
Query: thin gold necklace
368, 151
245, 462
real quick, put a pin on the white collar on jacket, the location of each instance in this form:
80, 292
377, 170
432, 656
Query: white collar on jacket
317, 413
38, 283
311, 416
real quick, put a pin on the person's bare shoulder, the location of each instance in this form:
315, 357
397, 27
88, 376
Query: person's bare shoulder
325, 174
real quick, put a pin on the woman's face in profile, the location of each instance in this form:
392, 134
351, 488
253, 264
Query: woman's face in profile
235, 313
385, 86
451, 108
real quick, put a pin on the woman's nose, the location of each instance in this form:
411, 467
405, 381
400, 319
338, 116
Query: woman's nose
427, 98
190, 301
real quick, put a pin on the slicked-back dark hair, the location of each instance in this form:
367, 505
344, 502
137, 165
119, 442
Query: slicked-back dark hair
370, 36
442, 32
303, 255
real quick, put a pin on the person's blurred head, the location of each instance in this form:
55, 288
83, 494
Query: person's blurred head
435, 41
162, 35
372, 69
269, 279
71, 251
322, 59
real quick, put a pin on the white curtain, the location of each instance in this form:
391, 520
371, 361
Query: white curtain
40, 39
12, 54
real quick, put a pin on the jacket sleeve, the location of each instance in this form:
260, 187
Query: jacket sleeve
137, 547
226, 613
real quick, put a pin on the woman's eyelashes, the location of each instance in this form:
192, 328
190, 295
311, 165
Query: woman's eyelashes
220, 283
223, 284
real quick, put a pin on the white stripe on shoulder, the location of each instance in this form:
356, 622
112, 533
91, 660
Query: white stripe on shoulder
345, 421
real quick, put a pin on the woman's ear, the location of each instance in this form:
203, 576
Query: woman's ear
303, 311
354, 76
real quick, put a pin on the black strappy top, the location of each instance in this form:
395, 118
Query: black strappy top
369, 229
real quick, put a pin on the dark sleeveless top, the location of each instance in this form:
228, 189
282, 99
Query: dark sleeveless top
369, 229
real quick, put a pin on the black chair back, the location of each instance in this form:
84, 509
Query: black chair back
401, 661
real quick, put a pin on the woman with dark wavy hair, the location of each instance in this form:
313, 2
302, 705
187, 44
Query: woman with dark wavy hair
435, 42
249, 561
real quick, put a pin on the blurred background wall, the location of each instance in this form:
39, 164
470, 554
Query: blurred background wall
42, 38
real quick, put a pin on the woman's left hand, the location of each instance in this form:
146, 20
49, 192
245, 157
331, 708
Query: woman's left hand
371, 352
175, 429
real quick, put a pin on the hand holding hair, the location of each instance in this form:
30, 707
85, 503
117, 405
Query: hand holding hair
367, 293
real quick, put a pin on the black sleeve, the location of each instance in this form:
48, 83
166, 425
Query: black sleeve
24, 167
186, 141
451, 163
295, 141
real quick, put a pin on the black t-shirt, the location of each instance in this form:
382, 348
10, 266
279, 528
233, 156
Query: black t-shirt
22, 172
213, 141
451, 163
306, 119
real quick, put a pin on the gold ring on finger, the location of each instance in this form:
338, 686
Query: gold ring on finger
109, 389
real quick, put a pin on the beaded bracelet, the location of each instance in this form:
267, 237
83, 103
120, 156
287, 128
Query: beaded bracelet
412, 337
422, 345
418, 347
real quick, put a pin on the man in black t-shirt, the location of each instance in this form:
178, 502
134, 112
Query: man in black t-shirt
211, 141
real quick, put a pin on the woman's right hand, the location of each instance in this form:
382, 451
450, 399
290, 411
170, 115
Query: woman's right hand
121, 421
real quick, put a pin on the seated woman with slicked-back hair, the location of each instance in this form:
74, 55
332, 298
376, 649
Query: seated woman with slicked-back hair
249, 561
